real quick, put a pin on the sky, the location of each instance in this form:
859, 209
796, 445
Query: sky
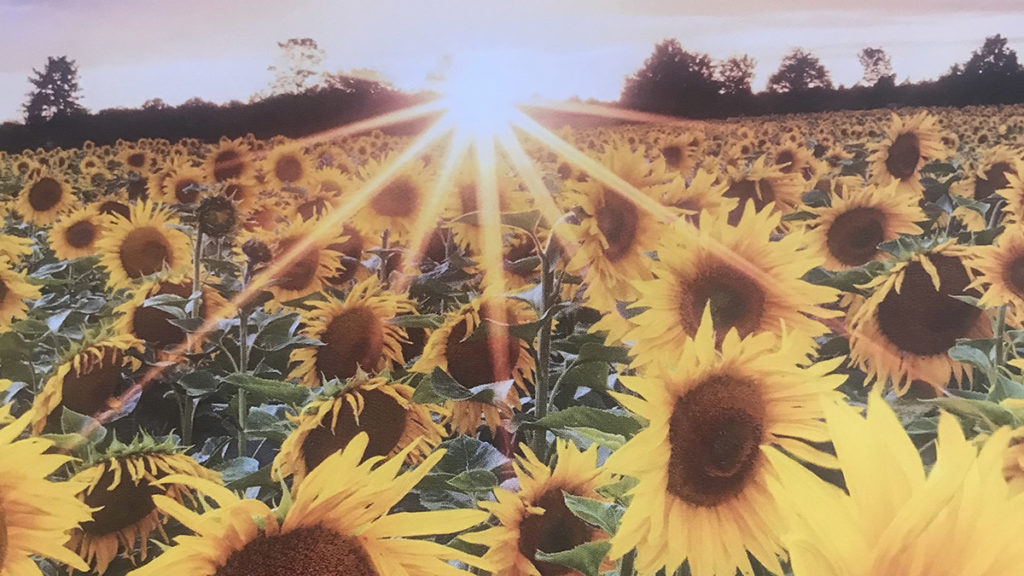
219, 50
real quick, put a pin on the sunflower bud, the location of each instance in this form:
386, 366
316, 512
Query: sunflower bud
257, 252
216, 216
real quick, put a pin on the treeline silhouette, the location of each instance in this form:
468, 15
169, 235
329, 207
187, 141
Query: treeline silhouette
291, 115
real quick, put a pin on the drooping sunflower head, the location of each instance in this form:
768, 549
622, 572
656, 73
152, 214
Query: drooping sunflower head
35, 513
683, 153
910, 143
699, 463
356, 334
119, 487
14, 291
308, 268
377, 407
76, 234
142, 245
287, 165
994, 171
151, 324
750, 282
473, 359
229, 160
537, 519
183, 185
89, 381
761, 185
705, 192
398, 204
331, 528
903, 331
44, 198
860, 218
797, 159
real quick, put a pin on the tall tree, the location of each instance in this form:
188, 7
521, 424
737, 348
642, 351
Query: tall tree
672, 81
735, 74
297, 65
994, 59
800, 71
56, 91
877, 66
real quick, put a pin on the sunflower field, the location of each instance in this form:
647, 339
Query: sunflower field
781, 346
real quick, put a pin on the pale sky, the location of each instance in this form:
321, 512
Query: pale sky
219, 50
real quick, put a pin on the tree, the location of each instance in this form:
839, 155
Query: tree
800, 71
362, 80
672, 81
56, 92
735, 74
994, 59
877, 67
298, 63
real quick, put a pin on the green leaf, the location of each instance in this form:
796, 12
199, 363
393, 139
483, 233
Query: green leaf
618, 489
474, 481
237, 468
260, 478
417, 321
269, 389
988, 414
446, 387
619, 423
604, 515
199, 383
1004, 388
585, 437
465, 453
968, 354
594, 351
72, 422
585, 558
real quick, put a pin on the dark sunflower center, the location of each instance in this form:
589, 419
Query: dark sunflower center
88, 392
482, 361
153, 325
312, 208
760, 192
136, 160
399, 199
186, 190
786, 157
556, 530
3, 536
309, 551
226, 165
235, 192
382, 418
45, 194
4, 291
673, 156
137, 190
904, 155
120, 508
300, 274
354, 338
995, 179
114, 207
288, 169
619, 222
144, 251
924, 321
1013, 275
736, 299
715, 432
80, 234
854, 236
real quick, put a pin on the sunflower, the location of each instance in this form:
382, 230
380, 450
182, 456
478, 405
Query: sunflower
993, 173
614, 233
497, 357
137, 160
244, 193
536, 519
468, 231
910, 143
142, 245
751, 284
119, 488
903, 331
287, 165
44, 198
35, 514
88, 382
351, 249
75, 235
307, 272
859, 219
182, 185
1014, 194
14, 291
683, 153
797, 159
356, 334
14, 248
705, 192
330, 528
762, 184
229, 160
1000, 267
375, 406
699, 463
152, 325
893, 518
397, 205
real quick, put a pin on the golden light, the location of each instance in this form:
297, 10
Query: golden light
481, 92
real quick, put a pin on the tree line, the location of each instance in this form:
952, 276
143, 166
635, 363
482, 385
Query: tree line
303, 98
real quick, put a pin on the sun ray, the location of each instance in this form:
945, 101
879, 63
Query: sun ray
328, 225
526, 171
616, 113
376, 122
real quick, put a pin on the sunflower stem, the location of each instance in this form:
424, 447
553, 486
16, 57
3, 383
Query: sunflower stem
1000, 352
243, 366
626, 566
186, 409
548, 257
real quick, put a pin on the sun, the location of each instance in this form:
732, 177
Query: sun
481, 91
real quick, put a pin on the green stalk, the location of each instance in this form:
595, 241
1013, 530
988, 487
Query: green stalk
1000, 351
243, 366
626, 566
186, 405
541, 402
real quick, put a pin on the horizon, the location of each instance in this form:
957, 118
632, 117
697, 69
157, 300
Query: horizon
231, 43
